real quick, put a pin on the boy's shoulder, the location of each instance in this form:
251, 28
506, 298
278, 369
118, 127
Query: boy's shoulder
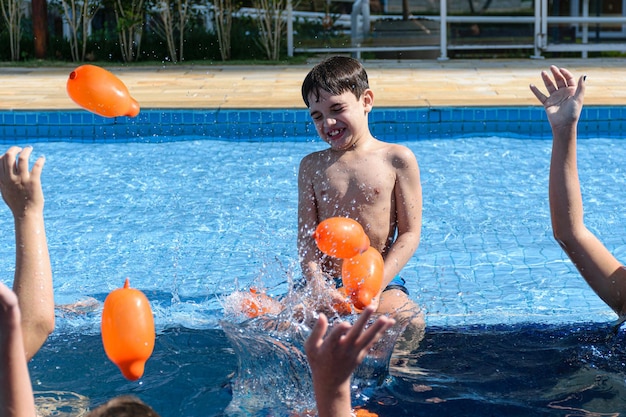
397, 149
316, 155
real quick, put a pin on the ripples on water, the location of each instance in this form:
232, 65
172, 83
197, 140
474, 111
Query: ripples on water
519, 370
191, 222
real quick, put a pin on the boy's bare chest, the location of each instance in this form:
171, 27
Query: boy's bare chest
361, 183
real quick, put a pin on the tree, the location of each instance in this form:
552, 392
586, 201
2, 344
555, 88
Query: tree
78, 15
12, 12
40, 27
271, 25
172, 17
130, 20
223, 14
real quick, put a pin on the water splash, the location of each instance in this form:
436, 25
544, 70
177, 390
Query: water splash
272, 370
61, 404
273, 375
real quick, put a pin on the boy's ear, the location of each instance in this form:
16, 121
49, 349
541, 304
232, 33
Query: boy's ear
368, 99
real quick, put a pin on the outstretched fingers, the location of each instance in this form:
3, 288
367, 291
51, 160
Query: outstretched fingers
356, 330
565, 77
550, 86
580, 90
317, 334
22, 162
362, 339
558, 79
7, 162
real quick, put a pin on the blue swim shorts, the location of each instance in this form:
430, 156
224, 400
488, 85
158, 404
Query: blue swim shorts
397, 283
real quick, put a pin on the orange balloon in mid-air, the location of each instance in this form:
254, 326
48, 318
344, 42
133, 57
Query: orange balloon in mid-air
362, 277
128, 330
341, 237
99, 91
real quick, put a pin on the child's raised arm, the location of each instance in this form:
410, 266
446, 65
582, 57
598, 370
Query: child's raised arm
22, 192
602, 271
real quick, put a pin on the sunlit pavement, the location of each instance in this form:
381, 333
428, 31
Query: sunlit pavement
420, 83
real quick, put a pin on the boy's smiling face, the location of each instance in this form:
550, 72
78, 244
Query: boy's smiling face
341, 120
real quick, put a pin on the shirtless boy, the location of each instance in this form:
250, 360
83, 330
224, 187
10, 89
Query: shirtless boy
357, 176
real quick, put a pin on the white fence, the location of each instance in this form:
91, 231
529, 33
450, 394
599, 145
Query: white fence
580, 20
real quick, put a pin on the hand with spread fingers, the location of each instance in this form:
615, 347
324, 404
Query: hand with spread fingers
564, 103
334, 356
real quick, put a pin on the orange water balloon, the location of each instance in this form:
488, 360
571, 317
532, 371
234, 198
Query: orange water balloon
343, 307
362, 277
128, 330
258, 303
362, 412
341, 237
99, 91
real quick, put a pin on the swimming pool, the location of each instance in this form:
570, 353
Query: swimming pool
190, 219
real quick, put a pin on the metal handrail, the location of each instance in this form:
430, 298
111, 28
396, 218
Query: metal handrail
540, 20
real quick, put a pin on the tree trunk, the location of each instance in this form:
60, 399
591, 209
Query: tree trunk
40, 27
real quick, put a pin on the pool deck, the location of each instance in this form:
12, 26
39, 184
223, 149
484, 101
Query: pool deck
423, 83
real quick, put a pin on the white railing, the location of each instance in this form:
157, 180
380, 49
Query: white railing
541, 22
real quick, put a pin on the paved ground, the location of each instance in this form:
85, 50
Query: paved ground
395, 84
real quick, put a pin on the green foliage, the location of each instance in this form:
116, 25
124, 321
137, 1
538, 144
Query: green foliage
199, 45
59, 49
5, 52
244, 40
103, 46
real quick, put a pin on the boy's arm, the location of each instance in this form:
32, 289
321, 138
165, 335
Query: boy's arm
333, 359
408, 195
602, 271
308, 252
16, 392
22, 192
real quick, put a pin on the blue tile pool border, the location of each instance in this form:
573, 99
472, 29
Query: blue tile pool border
160, 125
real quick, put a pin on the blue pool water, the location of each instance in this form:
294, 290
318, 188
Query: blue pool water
512, 328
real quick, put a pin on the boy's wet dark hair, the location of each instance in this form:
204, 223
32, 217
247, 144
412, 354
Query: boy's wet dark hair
335, 75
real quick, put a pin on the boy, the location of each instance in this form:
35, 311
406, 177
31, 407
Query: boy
599, 267
373, 182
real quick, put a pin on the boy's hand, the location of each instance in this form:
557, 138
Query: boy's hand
325, 298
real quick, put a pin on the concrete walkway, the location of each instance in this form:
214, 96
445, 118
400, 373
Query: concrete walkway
395, 84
